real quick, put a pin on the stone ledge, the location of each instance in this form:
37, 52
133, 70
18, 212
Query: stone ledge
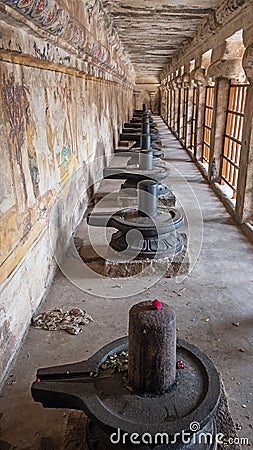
168, 267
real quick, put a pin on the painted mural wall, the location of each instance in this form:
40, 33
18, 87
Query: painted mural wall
58, 113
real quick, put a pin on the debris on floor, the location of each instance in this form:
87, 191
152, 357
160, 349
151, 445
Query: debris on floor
56, 319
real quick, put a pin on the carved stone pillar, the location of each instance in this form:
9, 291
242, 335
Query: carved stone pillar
169, 101
153, 105
188, 84
165, 104
137, 100
201, 81
221, 94
163, 107
226, 64
180, 87
244, 202
175, 107
177, 84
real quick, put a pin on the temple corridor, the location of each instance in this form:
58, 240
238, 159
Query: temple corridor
97, 98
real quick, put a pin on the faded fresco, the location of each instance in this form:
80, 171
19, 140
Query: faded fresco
51, 126
60, 108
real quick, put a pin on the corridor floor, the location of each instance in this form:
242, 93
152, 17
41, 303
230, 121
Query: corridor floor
214, 308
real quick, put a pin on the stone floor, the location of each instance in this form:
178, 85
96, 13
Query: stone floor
214, 308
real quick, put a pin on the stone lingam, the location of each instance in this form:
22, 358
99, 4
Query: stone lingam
142, 133
144, 230
147, 390
145, 169
147, 240
143, 139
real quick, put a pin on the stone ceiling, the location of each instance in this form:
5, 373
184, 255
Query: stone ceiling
152, 31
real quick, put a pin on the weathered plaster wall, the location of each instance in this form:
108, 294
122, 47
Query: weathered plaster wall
62, 104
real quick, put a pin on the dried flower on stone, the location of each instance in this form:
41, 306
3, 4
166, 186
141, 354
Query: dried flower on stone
117, 362
181, 365
70, 321
157, 304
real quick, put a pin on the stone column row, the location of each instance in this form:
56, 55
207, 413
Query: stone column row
226, 64
244, 204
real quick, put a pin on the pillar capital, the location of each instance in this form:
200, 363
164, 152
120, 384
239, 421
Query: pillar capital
178, 82
247, 36
226, 61
186, 80
247, 63
174, 84
199, 77
162, 88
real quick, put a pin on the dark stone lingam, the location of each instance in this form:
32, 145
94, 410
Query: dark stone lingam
145, 230
142, 135
145, 169
152, 405
142, 140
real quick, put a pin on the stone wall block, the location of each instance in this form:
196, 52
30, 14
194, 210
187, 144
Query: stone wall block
247, 63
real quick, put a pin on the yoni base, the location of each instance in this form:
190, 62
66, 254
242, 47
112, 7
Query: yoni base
127, 199
110, 266
124, 198
168, 267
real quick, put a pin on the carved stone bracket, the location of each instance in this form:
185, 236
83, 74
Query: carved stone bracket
186, 80
178, 82
217, 19
227, 61
248, 35
247, 63
225, 9
198, 75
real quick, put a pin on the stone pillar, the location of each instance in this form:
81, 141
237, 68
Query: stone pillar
175, 107
165, 104
153, 102
179, 125
226, 64
163, 101
172, 100
137, 100
168, 104
221, 94
190, 85
186, 84
199, 78
244, 201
